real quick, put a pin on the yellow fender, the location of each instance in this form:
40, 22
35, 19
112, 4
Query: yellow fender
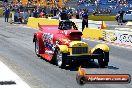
103, 47
63, 48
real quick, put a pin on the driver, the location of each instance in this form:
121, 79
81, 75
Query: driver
66, 25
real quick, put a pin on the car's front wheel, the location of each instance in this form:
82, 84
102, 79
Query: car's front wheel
36, 47
103, 61
59, 59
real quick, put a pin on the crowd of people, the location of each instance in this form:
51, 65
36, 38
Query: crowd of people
21, 13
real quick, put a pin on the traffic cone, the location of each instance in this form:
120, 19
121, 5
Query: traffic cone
81, 71
103, 25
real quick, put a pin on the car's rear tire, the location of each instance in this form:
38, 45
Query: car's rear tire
36, 47
59, 59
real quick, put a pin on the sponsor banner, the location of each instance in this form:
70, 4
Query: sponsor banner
82, 78
103, 78
116, 36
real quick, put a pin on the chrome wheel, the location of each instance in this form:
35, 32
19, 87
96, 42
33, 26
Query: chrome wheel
59, 58
36, 47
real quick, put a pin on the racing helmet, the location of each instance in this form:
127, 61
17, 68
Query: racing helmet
67, 24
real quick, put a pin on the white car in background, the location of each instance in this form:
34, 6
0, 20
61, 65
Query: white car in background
127, 16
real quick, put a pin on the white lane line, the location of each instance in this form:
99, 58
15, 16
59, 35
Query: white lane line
8, 75
109, 43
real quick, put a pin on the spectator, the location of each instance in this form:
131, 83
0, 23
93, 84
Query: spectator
32, 12
16, 16
55, 11
7, 13
64, 15
121, 16
77, 14
70, 13
25, 16
51, 10
41, 15
20, 16
36, 13
118, 17
44, 11
84, 19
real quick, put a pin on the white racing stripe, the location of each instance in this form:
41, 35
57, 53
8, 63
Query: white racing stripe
6, 75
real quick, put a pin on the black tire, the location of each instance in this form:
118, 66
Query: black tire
80, 80
36, 48
59, 59
103, 61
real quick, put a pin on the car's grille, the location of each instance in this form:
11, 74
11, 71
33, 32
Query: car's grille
79, 50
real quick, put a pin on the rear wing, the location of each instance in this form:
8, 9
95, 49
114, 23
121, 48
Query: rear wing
47, 27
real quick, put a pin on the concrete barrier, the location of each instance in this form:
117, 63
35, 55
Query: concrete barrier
93, 33
118, 37
33, 22
101, 18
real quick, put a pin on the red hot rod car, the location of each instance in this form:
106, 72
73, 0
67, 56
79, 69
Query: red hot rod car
64, 46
